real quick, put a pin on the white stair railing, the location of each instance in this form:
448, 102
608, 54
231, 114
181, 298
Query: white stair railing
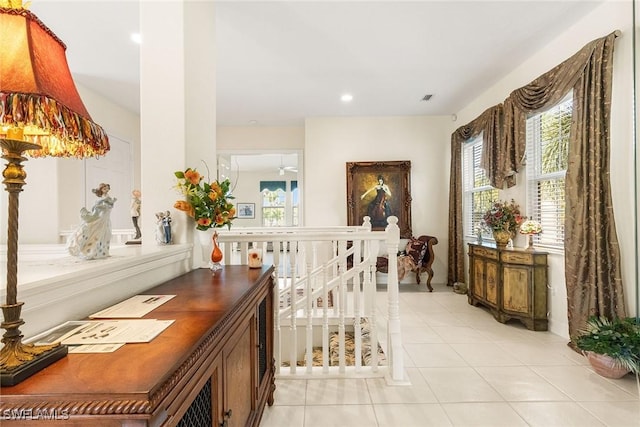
326, 285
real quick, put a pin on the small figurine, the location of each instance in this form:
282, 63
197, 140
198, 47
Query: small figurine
166, 225
159, 228
92, 239
163, 228
136, 204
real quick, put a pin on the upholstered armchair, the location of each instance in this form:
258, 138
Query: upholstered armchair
418, 257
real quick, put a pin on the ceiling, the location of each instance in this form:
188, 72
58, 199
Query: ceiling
279, 62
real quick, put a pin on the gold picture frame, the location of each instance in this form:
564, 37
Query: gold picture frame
378, 190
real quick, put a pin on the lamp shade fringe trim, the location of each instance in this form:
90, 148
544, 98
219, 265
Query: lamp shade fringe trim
71, 134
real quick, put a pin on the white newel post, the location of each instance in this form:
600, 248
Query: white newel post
394, 341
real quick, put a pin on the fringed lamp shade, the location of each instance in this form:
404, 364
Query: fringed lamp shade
37, 92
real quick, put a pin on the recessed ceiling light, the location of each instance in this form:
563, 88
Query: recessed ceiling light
253, 122
136, 38
347, 97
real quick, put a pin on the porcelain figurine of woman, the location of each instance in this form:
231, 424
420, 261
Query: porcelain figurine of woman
93, 238
136, 205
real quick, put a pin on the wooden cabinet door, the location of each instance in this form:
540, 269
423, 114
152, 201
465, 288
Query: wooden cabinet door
264, 345
491, 279
217, 392
478, 278
516, 289
239, 374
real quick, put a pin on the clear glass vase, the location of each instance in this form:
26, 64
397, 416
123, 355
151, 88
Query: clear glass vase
211, 252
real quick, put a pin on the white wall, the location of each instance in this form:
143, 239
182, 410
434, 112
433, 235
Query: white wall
263, 139
332, 142
612, 15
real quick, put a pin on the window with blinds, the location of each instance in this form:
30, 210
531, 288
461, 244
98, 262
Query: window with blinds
547, 152
478, 194
273, 203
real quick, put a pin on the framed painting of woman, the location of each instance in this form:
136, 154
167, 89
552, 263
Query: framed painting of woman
379, 190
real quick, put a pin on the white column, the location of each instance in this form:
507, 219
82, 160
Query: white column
200, 85
177, 105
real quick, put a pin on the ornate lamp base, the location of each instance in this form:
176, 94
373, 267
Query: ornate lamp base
530, 242
18, 361
42, 356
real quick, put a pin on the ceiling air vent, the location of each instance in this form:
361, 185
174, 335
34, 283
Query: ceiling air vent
427, 97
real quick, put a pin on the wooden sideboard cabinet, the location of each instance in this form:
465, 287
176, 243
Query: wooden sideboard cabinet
212, 367
512, 283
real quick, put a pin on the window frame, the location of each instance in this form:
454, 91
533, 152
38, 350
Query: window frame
472, 151
264, 207
552, 236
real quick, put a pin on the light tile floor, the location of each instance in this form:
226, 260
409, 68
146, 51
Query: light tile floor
465, 369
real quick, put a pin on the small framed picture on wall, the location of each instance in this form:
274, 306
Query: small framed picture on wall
246, 210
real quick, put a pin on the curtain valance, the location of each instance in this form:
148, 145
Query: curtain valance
543, 93
273, 185
489, 123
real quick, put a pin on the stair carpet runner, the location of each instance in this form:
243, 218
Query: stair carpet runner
350, 347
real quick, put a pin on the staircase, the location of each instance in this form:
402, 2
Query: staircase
318, 356
326, 284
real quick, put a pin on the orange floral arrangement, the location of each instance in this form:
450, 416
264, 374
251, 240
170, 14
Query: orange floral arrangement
207, 203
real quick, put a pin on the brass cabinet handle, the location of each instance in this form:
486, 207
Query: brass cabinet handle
226, 415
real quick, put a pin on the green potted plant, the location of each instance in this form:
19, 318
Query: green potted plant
612, 346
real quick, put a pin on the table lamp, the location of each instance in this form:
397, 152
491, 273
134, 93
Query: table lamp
41, 114
529, 228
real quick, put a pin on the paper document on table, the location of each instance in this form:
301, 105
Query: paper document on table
116, 331
94, 348
134, 307
56, 333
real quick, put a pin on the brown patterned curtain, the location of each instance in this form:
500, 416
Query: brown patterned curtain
490, 124
455, 258
592, 254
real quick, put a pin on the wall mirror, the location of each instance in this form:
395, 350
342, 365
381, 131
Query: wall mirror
271, 181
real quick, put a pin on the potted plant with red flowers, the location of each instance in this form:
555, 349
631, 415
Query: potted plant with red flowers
503, 218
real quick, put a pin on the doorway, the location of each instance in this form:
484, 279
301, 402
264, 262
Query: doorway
249, 171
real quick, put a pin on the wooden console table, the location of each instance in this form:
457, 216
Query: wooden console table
512, 283
212, 366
